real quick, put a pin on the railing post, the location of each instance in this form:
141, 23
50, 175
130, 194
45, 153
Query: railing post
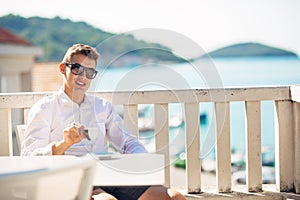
253, 146
297, 147
6, 145
223, 151
131, 118
193, 163
161, 117
26, 111
284, 146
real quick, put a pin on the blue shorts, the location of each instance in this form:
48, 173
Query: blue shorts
126, 192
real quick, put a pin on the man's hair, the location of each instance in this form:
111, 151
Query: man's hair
83, 49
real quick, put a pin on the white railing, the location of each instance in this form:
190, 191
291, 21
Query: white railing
287, 144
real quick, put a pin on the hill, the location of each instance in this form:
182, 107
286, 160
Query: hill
250, 50
56, 35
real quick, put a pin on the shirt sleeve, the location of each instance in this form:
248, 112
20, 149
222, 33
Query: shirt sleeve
119, 136
37, 133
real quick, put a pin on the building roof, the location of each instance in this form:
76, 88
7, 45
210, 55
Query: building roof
7, 37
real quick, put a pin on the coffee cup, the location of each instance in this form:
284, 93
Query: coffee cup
91, 133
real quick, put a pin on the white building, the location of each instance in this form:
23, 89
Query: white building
17, 57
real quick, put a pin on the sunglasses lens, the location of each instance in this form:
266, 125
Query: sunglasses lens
90, 73
75, 69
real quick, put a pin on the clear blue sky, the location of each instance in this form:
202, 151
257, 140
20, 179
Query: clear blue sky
209, 23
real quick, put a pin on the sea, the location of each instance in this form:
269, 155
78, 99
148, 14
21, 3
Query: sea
206, 73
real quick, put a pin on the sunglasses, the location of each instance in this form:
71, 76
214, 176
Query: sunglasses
78, 69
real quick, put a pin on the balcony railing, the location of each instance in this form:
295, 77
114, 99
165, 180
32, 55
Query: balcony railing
287, 133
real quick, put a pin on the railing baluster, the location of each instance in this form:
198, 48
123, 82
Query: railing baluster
6, 145
131, 118
253, 146
161, 117
297, 147
284, 143
26, 110
223, 151
193, 163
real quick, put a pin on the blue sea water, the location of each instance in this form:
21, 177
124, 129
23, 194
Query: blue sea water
221, 72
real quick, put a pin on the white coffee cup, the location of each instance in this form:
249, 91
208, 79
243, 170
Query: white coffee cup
91, 133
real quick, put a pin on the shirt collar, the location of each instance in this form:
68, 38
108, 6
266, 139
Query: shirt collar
65, 100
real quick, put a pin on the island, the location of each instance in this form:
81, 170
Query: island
250, 50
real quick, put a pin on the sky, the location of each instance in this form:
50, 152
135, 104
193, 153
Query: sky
210, 24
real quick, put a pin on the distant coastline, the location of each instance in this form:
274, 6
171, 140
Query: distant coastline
117, 50
250, 50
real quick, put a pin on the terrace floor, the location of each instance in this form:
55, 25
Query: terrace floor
269, 193
208, 180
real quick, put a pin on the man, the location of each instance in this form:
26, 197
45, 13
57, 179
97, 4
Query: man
56, 124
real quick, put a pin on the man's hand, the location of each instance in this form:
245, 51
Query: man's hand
73, 134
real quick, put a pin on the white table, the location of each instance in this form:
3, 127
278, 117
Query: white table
130, 169
117, 170
17, 164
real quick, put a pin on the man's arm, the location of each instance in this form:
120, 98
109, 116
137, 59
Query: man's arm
59, 148
121, 137
37, 134
72, 134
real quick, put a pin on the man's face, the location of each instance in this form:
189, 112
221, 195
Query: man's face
79, 83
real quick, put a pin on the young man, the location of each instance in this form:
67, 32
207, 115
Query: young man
56, 124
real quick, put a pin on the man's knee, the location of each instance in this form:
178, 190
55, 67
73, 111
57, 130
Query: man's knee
99, 194
175, 195
160, 192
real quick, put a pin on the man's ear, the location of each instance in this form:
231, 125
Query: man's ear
62, 68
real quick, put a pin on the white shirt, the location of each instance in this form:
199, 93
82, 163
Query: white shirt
50, 116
